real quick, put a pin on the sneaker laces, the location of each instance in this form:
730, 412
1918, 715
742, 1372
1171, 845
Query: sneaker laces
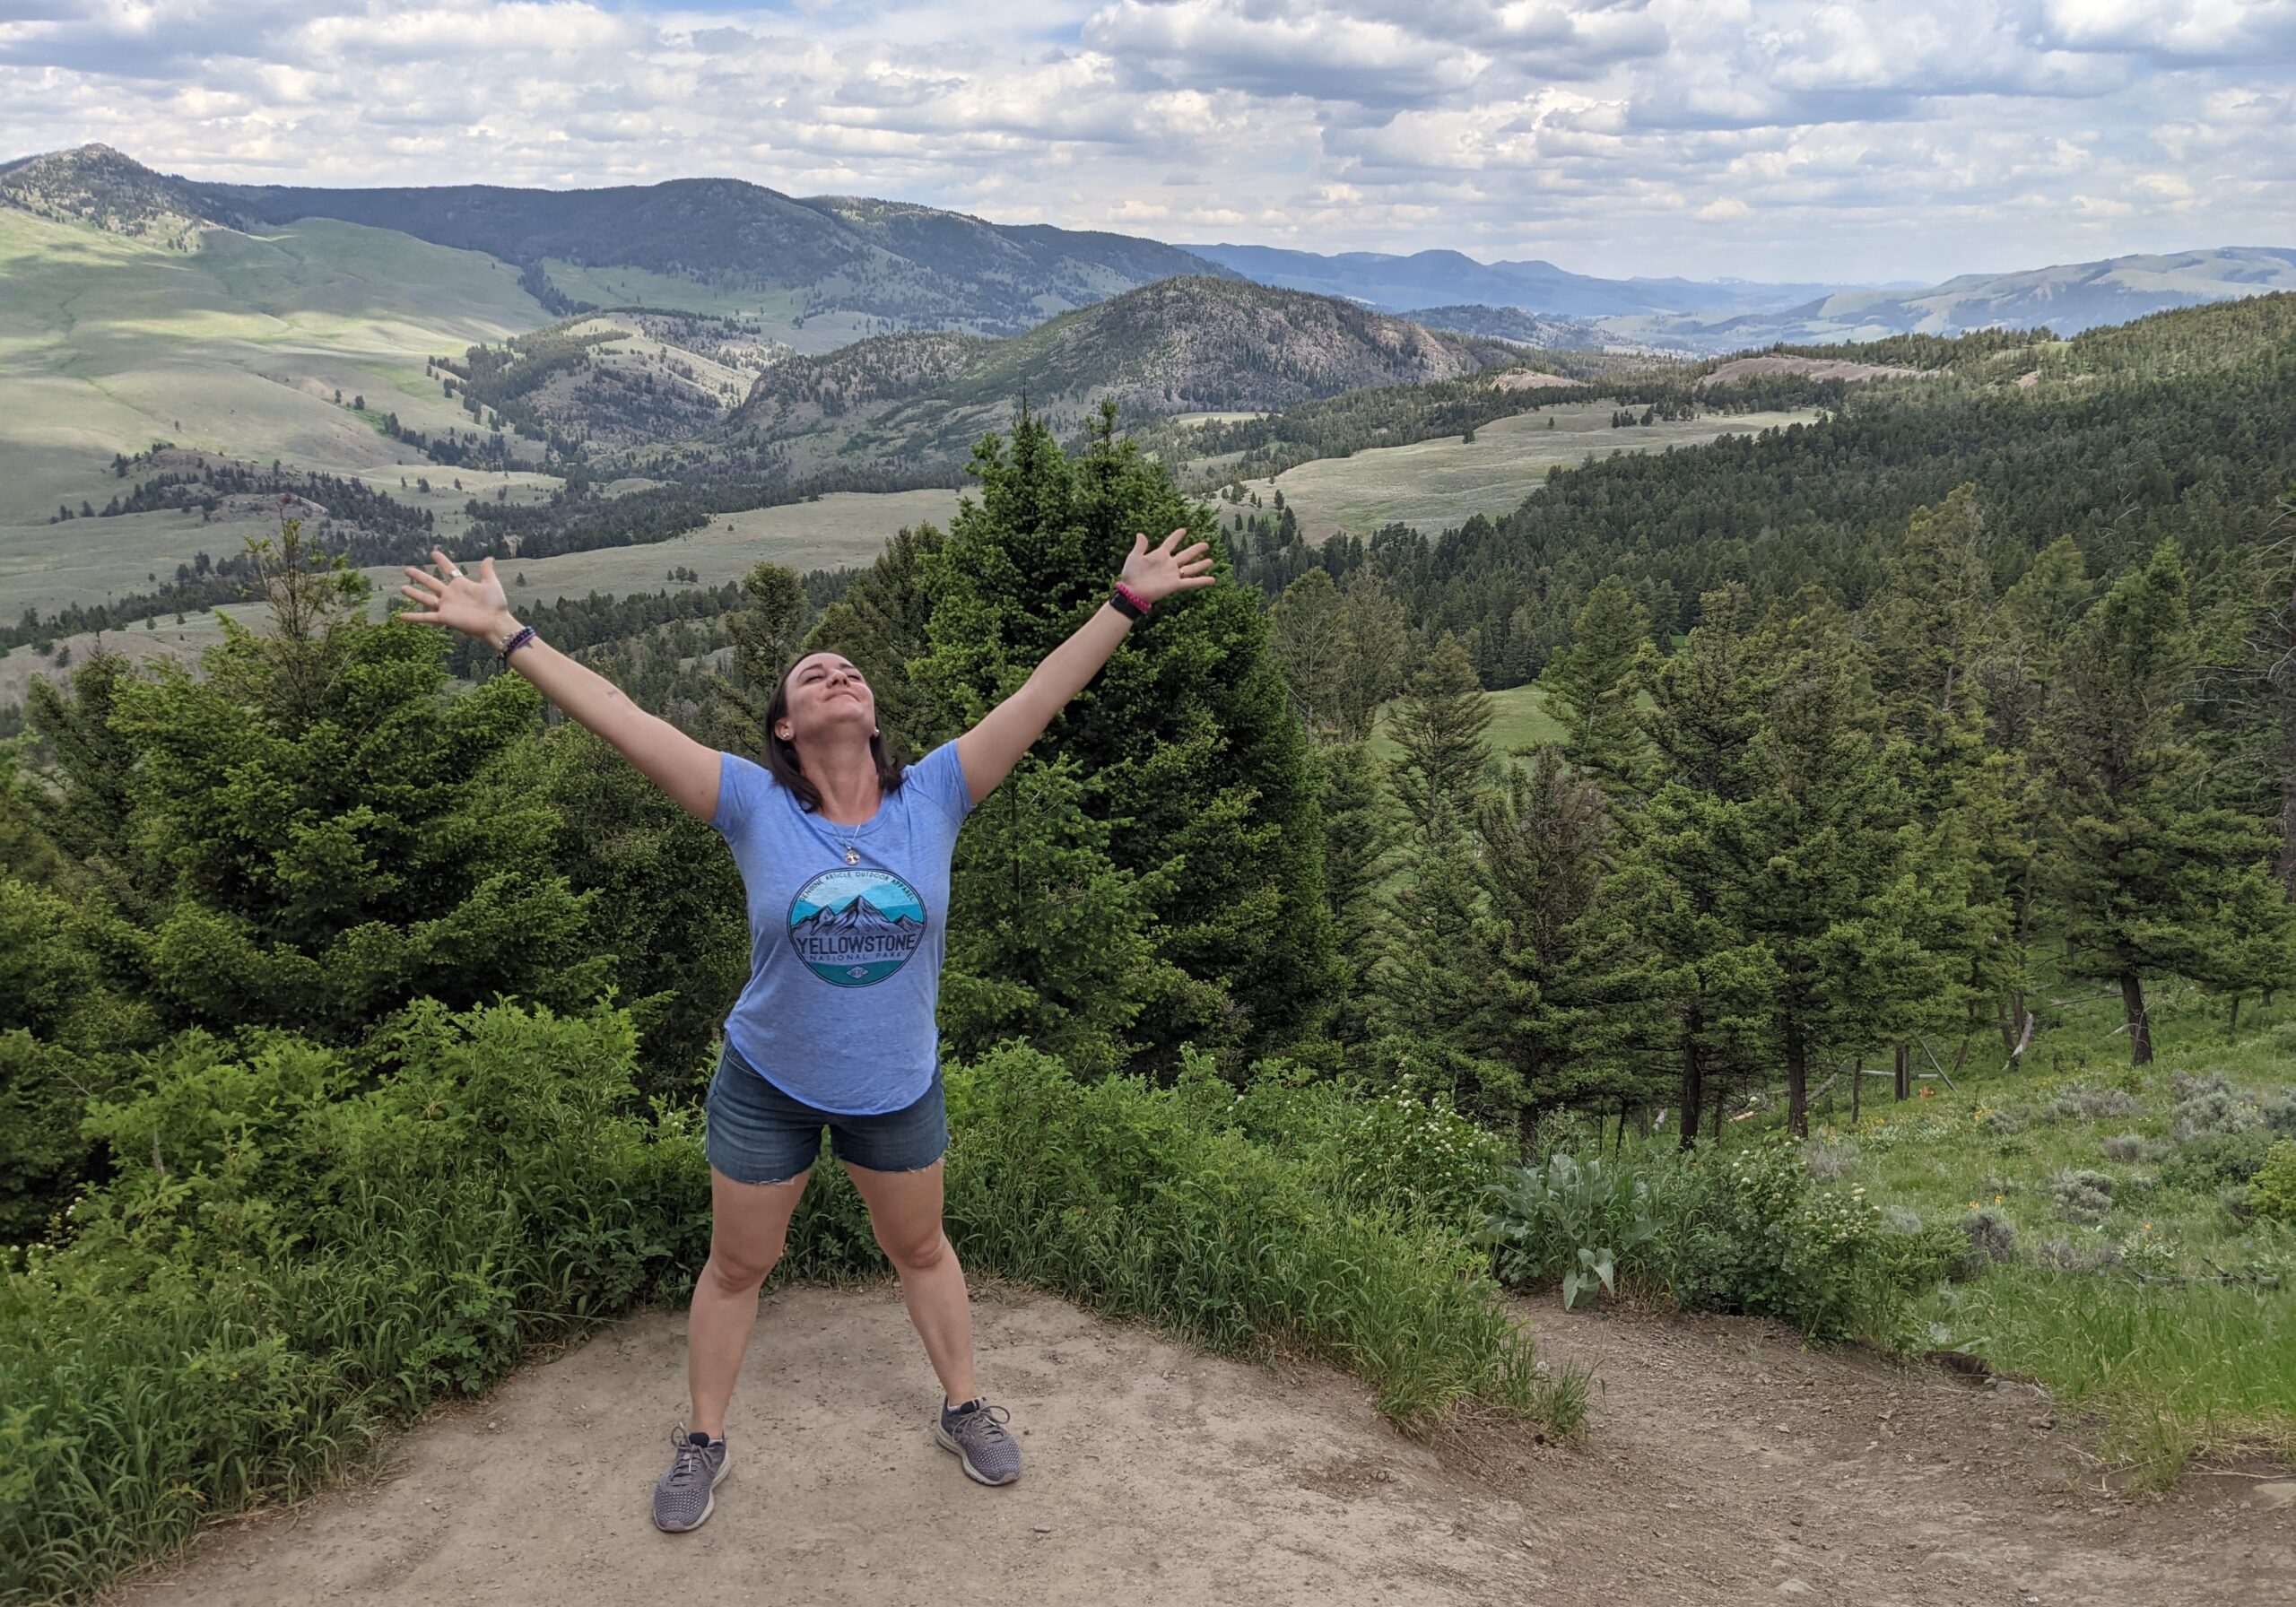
990, 1419
692, 1461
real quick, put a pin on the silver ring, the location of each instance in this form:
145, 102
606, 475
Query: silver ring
453, 574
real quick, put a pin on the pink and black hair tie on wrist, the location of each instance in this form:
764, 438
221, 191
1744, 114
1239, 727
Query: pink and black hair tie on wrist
1128, 602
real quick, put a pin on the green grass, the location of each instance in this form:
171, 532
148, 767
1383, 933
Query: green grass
842, 528
1431, 485
108, 344
620, 286
45, 565
2173, 1361
333, 1251
1519, 719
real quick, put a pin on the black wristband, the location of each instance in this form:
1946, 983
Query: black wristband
1126, 607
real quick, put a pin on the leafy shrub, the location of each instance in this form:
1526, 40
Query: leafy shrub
2080, 1103
1829, 1161
301, 1245
2217, 1161
2207, 1105
2000, 1121
1578, 1220
2082, 1196
1392, 1150
2079, 1255
2273, 1194
1748, 1231
2134, 1147
2278, 1111
1987, 1237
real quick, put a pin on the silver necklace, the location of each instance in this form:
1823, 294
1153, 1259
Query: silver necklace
852, 844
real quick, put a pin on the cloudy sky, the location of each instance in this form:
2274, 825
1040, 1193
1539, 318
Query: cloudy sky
1782, 140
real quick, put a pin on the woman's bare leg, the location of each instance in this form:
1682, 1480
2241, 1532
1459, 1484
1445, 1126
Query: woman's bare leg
905, 1211
749, 1224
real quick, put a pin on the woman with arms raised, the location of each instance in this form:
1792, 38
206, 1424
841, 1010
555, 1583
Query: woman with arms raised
844, 859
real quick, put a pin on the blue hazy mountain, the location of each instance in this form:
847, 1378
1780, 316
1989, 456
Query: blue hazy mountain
1451, 279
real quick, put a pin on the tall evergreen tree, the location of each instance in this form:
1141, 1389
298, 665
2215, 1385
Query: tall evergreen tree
1442, 725
1591, 688
1684, 880
1931, 635
2147, 872
1358, 830
1567, 1003
1309, 633
1191, 756
766, 630
1379, 646
1827, 892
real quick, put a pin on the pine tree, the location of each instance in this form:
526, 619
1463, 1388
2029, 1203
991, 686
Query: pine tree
1358, 830
1052, 944
1377, 647
2145, 871
1931, 637
1441, 724
1591, 688
766, 630
1827, 891
1308, 634
1567, 1003
1190, 754
1684, 882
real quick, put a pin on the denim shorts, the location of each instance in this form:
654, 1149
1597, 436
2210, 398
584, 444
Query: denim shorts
757, 1134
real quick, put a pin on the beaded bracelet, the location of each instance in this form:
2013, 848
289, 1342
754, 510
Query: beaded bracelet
526, 634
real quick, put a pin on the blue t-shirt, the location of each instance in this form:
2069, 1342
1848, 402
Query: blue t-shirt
845, 959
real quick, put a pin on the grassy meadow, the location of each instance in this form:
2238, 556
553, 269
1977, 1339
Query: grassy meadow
620, 286
45, 566
1431, 485
842, 528
2123, 1276
108, 344
1519, 719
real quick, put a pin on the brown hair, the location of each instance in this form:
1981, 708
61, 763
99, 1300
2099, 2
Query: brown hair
781, 758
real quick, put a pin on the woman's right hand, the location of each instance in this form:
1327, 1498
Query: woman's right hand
473, 605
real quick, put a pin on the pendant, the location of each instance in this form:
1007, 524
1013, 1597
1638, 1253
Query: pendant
852, 856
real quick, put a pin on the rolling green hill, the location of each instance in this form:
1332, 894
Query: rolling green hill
1182, 345
235, 344
722, 245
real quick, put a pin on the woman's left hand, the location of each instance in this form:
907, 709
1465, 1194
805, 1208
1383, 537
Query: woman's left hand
1157, 572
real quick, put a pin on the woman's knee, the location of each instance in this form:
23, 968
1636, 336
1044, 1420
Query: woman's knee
733, 1274
749, 1225
917, 1250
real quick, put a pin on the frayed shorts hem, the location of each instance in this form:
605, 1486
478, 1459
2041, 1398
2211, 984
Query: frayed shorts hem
757, 1134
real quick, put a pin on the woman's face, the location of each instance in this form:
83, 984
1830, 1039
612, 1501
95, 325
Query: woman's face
827, 699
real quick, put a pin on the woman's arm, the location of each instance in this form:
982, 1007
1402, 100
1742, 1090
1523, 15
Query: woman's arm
989, 751
477, 607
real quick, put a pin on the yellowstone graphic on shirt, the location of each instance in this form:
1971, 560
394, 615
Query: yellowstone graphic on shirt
853, 927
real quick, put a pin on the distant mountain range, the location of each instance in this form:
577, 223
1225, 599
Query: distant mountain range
1454, 291
2067, 299
823, 272
711, 245
1447, 278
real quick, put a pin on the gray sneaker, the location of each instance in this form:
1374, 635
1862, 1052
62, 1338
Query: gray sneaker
976, 1432
682, 1501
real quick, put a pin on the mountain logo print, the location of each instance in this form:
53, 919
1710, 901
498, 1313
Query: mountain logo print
853, 928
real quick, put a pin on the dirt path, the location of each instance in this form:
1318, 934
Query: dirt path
1158, 1475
